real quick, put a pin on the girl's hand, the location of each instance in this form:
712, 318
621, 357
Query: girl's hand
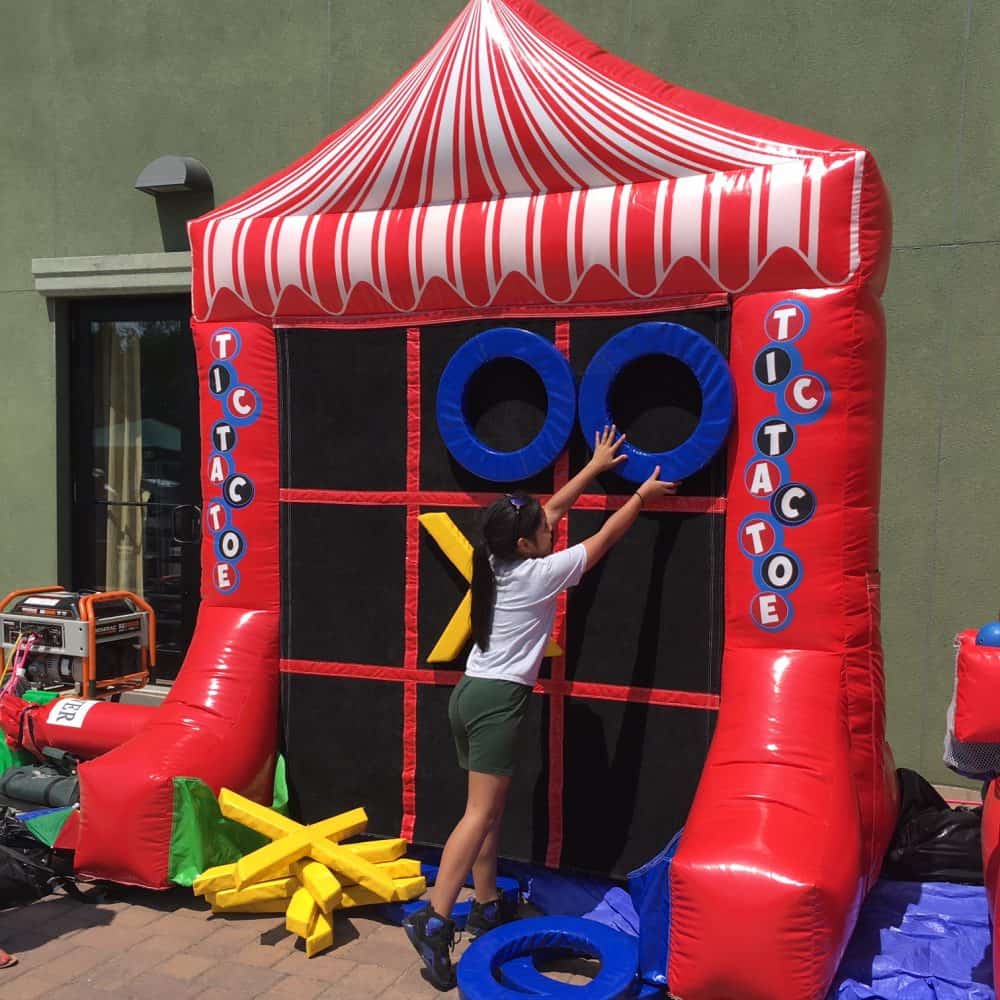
655, 487
606, 447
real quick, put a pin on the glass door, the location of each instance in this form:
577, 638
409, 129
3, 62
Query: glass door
135, 461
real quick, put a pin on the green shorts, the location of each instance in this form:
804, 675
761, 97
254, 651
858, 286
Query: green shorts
485, 716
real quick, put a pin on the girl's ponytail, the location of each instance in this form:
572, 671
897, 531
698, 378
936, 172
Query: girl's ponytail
483, 596
505, 521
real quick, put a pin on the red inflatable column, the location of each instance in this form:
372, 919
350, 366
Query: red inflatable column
797, 799
220, 720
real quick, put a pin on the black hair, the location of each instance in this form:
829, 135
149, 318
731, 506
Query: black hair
506, 520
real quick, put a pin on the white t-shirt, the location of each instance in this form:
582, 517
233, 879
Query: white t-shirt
527, 590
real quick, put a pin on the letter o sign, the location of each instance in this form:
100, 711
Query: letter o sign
557, 377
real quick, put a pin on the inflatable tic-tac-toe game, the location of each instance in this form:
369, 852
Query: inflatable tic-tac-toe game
524, 238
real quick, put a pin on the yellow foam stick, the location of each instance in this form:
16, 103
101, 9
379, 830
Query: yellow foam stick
302, 913
348, 866
456, 634
321, 884
278, 888
251, 814
265, 862
378, 851
273, 825
356, 895
275, 906
321, 937
451, 541
409, 888
458, 550
403, 868
214, 879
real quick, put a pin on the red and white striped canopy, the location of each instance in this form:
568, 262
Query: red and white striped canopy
516, 168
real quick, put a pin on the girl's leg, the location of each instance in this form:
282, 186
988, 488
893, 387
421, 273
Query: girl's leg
484, 868
483, 812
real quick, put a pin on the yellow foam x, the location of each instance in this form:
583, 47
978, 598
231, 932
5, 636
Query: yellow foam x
458, 551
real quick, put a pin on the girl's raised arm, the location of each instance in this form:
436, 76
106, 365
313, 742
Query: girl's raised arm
605, 457
622, 519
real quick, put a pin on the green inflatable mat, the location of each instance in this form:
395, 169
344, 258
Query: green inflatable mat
201, 837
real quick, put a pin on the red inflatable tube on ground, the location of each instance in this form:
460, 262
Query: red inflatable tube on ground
85, 729
220, 721
978, 669
218, 724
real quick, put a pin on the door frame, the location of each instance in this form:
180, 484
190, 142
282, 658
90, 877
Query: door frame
75, 352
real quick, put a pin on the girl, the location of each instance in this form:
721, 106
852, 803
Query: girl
516, 580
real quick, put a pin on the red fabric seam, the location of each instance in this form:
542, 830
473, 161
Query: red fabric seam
661, 697
437, 498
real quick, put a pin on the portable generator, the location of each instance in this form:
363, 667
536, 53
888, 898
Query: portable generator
94, 645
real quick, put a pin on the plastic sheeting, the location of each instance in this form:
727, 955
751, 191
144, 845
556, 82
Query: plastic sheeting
557, 894
913, 941
202, 837
919, 941
650, 891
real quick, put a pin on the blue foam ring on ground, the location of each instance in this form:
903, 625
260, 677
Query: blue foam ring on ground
557, 377
522, 974
479, 969
710, 369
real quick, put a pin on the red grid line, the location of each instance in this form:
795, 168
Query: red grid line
430, 498
557, 703
410, 675
660, 697
412, 584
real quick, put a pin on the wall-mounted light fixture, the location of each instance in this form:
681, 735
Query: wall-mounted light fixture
170, 174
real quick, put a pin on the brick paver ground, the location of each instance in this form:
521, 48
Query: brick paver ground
169, 946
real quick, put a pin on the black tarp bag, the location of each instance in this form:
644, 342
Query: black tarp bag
933, 842
30, 870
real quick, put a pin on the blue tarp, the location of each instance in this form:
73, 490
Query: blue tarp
913, 941
919, 941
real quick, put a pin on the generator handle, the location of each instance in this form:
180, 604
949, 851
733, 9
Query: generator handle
23, 593
87, 603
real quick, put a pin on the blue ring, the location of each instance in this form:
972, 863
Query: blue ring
806, 319
220, 555
230, 371
236, 418
235, 436
227, 458
226, 508
773, 504
810, 416
557, 377
709, 368
772, 523
236, 578
236, 338
493, 952
775, 628
765, 585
